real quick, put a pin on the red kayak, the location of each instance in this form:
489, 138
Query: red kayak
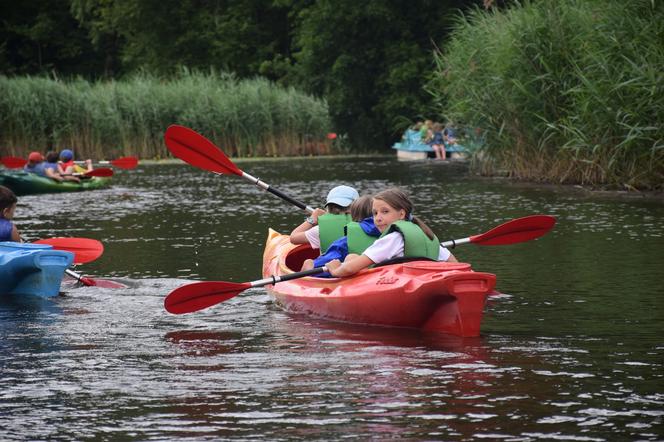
427, 295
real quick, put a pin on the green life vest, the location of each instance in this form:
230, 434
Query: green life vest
358, 240
416, 242
331, 228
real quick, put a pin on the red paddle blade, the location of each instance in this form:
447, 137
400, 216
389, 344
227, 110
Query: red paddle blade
516, 231
199, 295
125, 162
195, 149
13, 162
84, 249
87, 281
100, 172
331, 136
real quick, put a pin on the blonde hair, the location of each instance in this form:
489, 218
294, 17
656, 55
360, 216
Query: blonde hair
398, 199
361, 208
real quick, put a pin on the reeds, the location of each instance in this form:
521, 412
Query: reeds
570, 91
106, 119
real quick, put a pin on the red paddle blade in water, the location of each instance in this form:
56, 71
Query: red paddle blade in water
199, 295
13, 162
516, 231
193, 148
84, 249
125, 162
100, 172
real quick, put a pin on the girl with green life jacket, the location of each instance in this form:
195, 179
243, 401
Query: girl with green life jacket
360, 212
402, 235
323, 227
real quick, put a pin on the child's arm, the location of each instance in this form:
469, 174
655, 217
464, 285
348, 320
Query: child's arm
15, 235
348, 268
298, 235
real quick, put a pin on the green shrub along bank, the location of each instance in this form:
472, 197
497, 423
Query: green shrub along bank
113, 118
569, 91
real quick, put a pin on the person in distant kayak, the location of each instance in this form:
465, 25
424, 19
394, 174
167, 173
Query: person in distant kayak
68, 166
52, 169
35, 163
402, 235
357, 233
325, 226
8, 231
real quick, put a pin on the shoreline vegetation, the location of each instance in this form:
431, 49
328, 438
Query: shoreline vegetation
567, 92
113, 118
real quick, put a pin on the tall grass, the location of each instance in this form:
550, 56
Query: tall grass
570, 91
106, 119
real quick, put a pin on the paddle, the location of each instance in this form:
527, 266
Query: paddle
84, 249
193, 148
80, 278
512, 232
122, 163
199, 295
13, 162
103, 172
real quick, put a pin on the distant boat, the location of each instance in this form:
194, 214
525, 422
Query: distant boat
411, 147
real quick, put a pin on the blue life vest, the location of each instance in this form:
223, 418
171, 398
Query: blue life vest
6, 228
53, 166
37, 169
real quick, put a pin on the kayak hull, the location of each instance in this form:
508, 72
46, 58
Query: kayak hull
24, 183
32, 269
427, 295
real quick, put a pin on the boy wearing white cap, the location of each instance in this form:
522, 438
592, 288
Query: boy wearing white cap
323, 227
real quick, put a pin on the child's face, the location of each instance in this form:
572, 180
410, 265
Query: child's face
8, 212
384, 214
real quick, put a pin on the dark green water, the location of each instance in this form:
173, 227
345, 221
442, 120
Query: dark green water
572, 350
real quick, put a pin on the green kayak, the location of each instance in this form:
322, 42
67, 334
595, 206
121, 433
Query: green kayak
24, 183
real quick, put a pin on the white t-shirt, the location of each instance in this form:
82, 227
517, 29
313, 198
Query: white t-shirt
391, 246
313, 236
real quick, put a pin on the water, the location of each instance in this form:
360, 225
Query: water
572, 350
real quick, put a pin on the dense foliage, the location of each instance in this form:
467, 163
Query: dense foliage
244, 117
367, 59
568, 91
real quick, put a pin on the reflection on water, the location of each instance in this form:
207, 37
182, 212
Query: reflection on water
571, 351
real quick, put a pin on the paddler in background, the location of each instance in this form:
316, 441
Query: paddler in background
358, 235
324, 227
69, 167
35, 163
8, 231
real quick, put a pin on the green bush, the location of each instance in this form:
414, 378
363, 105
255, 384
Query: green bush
568, 91
245, 118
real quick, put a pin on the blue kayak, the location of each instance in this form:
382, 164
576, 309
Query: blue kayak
32, 269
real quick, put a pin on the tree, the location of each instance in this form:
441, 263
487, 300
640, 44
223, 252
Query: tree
42, 36
370, 61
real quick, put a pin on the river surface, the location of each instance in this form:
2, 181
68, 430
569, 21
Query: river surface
571, 350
